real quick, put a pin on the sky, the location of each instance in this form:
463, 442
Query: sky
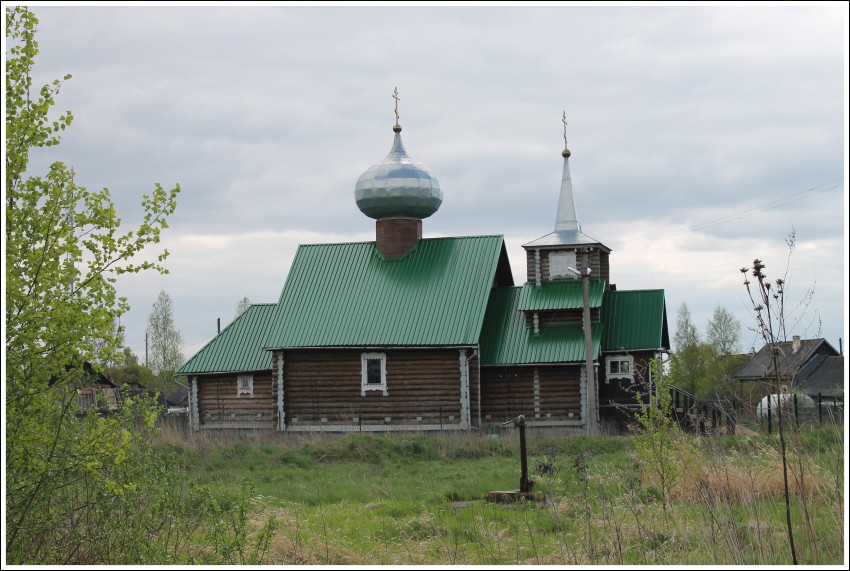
702, 136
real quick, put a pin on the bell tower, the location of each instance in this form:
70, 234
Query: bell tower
549, 257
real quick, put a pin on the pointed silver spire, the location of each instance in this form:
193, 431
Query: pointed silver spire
567, 218
567, 229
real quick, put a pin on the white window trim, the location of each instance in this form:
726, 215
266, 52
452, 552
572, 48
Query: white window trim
364, 374
559, 262
249, 390
619, 359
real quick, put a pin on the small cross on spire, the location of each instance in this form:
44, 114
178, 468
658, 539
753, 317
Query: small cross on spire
566, 152
396, 97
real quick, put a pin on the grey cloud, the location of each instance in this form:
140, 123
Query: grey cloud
267, 116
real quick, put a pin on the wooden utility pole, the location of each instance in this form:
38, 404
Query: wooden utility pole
592, 405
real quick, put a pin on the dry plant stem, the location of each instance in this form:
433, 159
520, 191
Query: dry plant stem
325, 535
531, 536
785, 477
406, 546
804, 502
581, 467
641, 530
771, 332
608, 512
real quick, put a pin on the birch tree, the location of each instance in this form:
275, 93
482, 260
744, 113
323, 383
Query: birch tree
164, 340
64, 250
688, 363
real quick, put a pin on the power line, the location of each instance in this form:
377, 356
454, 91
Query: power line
742, 214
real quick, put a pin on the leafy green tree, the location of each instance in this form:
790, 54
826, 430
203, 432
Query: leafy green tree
705, 368
166, 342
686, 333
724, 332
724, 358
131, 371
64, 251
688, 362
661, 443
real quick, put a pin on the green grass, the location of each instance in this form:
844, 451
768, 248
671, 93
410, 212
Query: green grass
363, 468
417, 499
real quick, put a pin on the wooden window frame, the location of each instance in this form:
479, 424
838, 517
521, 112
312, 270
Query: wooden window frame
565, 259
620, 359
240, 390
365, 385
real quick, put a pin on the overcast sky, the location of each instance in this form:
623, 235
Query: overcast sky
700, 137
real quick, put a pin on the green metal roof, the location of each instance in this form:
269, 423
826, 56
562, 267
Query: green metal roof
634, 319
559, 294
506, 340
343, 295
239, 347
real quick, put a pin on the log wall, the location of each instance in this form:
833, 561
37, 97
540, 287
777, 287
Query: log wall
551, 395
322, 390
559, 316
560, 393
219, 405
599, 263
506, 392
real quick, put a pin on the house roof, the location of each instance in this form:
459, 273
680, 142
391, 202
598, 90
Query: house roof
89, 376
559, 294
560, 238
634, 320
349, 295
506, 340
822, 375
239, 346
180, 397
789, 361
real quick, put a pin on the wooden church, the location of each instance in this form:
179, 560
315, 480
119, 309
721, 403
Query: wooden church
406, 333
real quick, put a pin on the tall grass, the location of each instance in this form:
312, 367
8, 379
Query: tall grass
417, 498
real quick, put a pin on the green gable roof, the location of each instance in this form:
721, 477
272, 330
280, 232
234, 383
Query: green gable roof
239, 347
344, 295
506, 340
560, 294
634, 319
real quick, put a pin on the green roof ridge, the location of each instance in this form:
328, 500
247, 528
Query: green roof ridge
238, 347
347, 294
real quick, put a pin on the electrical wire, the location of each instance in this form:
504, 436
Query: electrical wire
742, 214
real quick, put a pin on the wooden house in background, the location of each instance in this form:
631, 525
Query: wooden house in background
807, 366
95, 385
230, 378
822, 376
406, 333
634, 333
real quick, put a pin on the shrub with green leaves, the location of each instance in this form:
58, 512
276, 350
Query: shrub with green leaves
82, 487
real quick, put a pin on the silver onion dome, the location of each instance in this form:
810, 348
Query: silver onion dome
398, 186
